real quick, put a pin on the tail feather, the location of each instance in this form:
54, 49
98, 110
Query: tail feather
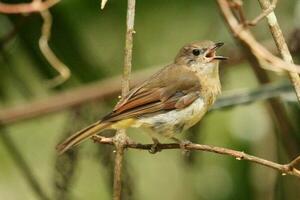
81, 135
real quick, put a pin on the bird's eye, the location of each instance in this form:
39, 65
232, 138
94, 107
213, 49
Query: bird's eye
196, 52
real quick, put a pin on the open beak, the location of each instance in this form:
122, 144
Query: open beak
211, 52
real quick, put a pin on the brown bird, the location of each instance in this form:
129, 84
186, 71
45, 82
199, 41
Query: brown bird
170, 101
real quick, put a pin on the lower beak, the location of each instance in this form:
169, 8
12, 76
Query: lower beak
212, 52
220, 58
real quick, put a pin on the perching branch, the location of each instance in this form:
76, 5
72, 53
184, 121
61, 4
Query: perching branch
120, 138
284, 169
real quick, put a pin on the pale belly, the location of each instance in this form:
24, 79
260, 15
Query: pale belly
175, 121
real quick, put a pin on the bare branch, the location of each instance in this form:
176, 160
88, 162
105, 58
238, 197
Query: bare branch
266, 59
63, 70
281, 44
239, 155
120, 137
263, 14
119, 141
42, 7
34, 6
292, 165
128, 47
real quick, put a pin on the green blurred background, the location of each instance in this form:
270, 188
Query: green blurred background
90, 42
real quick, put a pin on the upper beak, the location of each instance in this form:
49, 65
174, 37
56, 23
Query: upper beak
212, 52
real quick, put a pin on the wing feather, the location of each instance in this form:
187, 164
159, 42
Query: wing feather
174, 87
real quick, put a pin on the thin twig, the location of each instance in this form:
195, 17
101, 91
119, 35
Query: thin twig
238, 5
120, 138
281, 44
294, 163
33, 6
263, 14
266, 59
59, 66
239, 155
128, 47
42, 7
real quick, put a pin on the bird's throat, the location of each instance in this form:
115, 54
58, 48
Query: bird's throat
210, 83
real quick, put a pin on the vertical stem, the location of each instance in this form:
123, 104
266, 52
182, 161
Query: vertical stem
118, 165
120, 138
281, 44
128, 46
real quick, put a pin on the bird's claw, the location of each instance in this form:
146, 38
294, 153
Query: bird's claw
155, 148
182, 145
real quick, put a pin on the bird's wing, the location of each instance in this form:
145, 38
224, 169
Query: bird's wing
175, 87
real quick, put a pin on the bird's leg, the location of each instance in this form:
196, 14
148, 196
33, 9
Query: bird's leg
155, 146
182, 144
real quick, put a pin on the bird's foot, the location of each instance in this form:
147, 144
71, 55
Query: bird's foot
155, 146
182, 145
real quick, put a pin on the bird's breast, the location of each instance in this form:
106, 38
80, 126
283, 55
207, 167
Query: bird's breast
175, 121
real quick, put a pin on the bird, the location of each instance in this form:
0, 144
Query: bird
168, 102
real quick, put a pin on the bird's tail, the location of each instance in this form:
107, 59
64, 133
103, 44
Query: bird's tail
81, 135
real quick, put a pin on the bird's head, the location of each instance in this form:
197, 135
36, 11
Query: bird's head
199, 53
